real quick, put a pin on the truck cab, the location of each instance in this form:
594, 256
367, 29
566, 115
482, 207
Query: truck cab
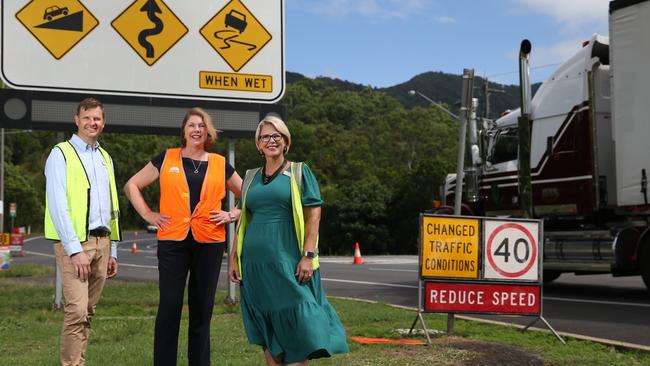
581, 178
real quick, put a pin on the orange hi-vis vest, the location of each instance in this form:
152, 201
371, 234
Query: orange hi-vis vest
175, 199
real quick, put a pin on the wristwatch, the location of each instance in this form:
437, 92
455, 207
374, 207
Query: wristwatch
231, 217
309, 254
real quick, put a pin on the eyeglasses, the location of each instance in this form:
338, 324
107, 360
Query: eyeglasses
266, 138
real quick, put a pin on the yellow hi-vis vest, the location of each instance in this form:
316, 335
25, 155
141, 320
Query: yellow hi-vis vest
296, 205
78, 196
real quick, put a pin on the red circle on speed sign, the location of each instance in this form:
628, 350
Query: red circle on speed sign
533, 257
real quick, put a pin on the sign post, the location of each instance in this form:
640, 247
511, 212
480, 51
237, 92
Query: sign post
12, 213
480, 265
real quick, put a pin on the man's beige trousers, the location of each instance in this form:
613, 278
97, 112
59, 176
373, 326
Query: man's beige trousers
81, 297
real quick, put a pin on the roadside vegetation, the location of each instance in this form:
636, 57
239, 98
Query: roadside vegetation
122, 332
379, 163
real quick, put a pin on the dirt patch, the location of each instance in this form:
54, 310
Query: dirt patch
488, 353
454, 351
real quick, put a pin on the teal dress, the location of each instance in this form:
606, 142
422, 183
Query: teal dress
279, 313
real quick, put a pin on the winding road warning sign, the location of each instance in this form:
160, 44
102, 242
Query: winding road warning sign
511, 250
150, 28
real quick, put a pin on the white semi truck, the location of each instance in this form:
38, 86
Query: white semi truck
588, 147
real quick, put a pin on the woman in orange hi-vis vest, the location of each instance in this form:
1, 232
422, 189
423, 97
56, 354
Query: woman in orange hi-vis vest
191, 233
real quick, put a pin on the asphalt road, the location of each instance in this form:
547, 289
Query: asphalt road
598, 306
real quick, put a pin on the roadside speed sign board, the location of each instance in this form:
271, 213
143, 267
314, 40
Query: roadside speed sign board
511, 250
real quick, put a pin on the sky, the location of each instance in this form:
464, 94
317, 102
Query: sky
382, 43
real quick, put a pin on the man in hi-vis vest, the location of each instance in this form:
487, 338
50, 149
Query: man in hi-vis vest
81, 215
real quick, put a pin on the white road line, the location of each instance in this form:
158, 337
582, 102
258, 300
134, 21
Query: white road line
370, 260
392, 270
545, 297
33, 238
552, 298
368, 283
597, 302
41, 254
137, 266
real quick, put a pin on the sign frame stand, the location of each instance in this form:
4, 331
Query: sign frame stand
538, 315
419, 315
548, 325
541, 310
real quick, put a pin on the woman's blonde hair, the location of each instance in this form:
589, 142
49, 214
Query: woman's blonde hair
276, 121
212, 132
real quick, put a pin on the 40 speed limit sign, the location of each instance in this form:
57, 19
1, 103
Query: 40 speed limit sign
511, 250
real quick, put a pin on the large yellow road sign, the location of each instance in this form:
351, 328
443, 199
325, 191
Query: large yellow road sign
449, 247
58, 25
235, 34
220, 50
150, 28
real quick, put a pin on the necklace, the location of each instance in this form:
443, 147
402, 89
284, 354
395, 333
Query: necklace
266, 179
196, 167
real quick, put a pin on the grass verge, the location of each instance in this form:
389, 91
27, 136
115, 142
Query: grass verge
122, 333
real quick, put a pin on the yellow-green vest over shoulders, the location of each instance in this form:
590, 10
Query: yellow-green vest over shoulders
296, 205
78, 196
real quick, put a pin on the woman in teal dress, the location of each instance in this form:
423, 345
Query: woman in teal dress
284, 307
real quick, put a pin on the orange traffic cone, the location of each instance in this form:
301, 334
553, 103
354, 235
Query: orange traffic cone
357, 254
134, 248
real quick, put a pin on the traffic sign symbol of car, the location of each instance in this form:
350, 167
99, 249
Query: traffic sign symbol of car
237, 20
54, 11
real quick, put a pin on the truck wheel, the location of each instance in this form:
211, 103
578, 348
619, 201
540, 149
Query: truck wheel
644, 266
550, 276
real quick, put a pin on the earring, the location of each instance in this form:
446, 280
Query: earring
261, 153
284, 150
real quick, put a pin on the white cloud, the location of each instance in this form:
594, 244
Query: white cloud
544, 59
444, 19
558, 52
577, 21
386, 9
572, 14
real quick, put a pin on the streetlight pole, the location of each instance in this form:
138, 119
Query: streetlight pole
465, 109
2, 181
437, 104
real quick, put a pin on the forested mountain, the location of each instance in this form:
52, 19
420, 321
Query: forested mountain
379, 155
446, 88
439, 86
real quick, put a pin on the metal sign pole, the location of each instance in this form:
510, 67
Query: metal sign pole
232, 296
420, 306
58, 282
465, 110
2, 180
